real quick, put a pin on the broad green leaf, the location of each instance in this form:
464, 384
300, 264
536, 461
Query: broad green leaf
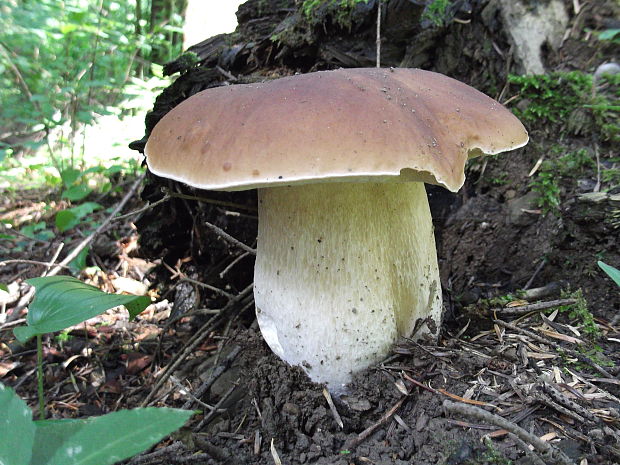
612, 272
85, 208
609, 34
16, 428
4, 287
104, 440
79, 263
76, 193
69, 176
66, 219
63, 301
68, 28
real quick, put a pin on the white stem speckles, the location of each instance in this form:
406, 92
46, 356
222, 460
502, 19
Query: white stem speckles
342, 271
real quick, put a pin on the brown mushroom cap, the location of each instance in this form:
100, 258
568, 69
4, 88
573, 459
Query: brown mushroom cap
365, 124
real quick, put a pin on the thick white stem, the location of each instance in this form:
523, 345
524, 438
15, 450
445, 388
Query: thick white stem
342, 271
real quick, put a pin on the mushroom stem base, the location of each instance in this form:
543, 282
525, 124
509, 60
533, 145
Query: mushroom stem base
342, 271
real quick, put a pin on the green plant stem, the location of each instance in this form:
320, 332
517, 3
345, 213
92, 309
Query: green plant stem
40, 377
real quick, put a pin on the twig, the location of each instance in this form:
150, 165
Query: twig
597, 186
217, 290
274, 454
357, 440
535, 459
560, 399
54, 258
10, 324
233, 263
536, 293
28, 262
190, 345
378, 40
224, 235
538, 270
333, 408
550, 454
226, 74
212, 451
221, 203
217, 406
609, 395
215, 374
573, 353
23, 236
76, 251
538, 306
169, 450
81, 246
165, 198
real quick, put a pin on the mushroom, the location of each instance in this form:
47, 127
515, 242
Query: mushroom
346, 260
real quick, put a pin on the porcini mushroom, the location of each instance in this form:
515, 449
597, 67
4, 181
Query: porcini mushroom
346, 260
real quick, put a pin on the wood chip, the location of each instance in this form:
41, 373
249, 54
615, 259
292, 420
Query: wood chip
549, 436
463, 399
257, 442
274, 453
561, 337
332, 407
541, 355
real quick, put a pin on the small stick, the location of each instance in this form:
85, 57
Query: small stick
221, 203
233, 263
54, 258
550, 453
356, 441
574, 353
212, 451
274, 454
144, 458
536, 460
378, 40
332, 407
218, 406
217, 372
190, 345
27, 262
224, 235
552, 288
22, 235
537, 307
150, 206
538, 270
217, 290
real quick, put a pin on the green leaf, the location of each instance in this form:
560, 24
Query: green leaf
609, 34
4, 287
79, 263
612, 272
63, 301
104, 440
66, 219
76, 193
69, 176
68, 28
85, 208
16, 428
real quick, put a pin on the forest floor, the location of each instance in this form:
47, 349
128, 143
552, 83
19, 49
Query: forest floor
526, 370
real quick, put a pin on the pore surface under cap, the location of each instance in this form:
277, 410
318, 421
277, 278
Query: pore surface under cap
363, 124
